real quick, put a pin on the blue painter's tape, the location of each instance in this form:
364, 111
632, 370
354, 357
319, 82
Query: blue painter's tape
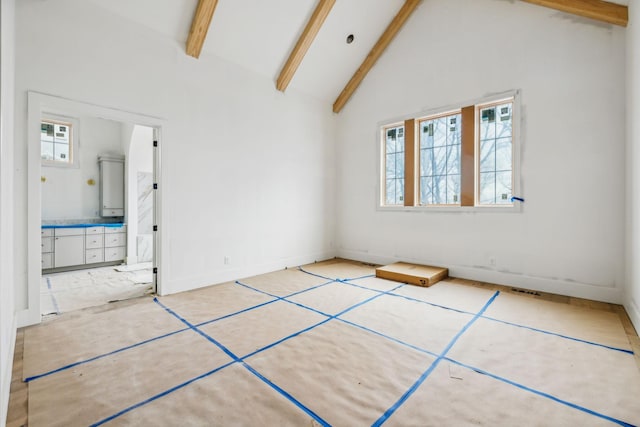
287, 395
108, 225
433, 365
53, 297
245, 365
627, 351
162, 394
542, 331
314, 274
111, 353
541, 393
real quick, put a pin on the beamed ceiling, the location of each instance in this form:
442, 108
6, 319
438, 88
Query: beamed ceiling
301, 44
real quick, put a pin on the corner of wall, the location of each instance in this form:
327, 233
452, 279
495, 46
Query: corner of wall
6, 371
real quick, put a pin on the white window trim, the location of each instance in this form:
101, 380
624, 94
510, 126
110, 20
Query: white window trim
75, 141
518, 142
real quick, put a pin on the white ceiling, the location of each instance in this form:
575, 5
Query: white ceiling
259, 34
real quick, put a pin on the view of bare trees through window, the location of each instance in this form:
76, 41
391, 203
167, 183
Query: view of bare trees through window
495, 154
438, 173
394, 163
440, 141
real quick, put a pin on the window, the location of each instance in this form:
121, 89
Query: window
57, 143
495, 158
453, 158
394, 165
440, 141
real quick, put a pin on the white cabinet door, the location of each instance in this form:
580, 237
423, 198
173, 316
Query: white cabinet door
69, 250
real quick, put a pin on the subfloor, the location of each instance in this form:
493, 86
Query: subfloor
329, 344
77, 289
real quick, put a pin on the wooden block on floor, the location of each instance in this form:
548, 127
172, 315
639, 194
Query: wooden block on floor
414, 274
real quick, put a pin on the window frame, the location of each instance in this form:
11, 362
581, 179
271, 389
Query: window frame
517, 144
73, 124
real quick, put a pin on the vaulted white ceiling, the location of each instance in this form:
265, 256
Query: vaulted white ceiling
260, 34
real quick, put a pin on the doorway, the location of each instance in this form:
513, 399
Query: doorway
127, 242
97, 212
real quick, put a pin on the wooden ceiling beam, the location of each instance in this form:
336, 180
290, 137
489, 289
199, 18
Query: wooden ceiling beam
378, 49
200, 26
599, 10
304, 43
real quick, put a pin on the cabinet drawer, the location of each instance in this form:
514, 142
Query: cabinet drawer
94, 255
74, 231
47, 244
93, 241
46, 232
95, 230
114, 254
117, 239
47, 260
111, 230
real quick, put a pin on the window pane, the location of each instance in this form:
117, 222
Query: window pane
399, 191
426, 162
46, 132
503, 187
440, 132
391, 144
390, 198
61, 152
391, 166
440, 189
453, 129
503, 121
503, 154
487, 188
453, 189
399, 165
487, 123
426, 136
47, 150
487, 156
453, 159
61, 133
440, 161
426, 190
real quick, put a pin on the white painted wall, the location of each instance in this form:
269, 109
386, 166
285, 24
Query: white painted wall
569, 237
7, 304
632, 297
245, 169
66, 193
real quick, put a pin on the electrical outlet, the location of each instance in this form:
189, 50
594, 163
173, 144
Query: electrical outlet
226, 260
492, 261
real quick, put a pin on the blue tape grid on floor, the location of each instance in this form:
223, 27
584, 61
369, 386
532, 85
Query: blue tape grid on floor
384, 417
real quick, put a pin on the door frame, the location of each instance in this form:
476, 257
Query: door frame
39, 103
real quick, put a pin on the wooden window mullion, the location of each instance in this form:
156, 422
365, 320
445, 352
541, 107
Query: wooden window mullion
467, 158
409, 162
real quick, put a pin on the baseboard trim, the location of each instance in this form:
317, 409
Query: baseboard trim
634, 313
230, 274
5, 387
542, 284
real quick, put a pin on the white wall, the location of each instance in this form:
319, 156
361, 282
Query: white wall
66, 195
244, 167
632, 300
7, 306
569, 237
